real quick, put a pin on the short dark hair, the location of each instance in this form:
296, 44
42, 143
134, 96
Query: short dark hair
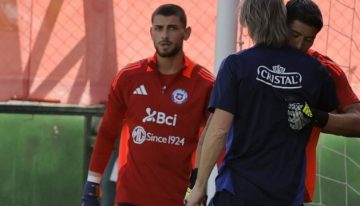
169, 10
305, 11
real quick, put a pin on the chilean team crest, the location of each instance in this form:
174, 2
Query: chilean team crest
179, 96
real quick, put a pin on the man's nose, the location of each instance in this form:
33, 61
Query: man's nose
301, 44
165, 34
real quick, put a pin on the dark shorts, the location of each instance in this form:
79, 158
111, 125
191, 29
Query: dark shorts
126, 204
225, 198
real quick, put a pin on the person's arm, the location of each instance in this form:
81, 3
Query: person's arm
201, 142
108, 132
346, 124
214, 142
194, 171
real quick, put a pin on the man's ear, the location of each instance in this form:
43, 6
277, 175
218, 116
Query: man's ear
187, 33
151, 33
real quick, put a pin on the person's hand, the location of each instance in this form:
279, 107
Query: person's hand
197, 197
91, 194
300, 114
192, 181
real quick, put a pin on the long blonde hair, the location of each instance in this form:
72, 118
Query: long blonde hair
265, 20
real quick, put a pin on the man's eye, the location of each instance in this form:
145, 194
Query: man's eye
295, 34
173, 28
157, 28
310, 39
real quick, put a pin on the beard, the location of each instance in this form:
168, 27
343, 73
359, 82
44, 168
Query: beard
169, 53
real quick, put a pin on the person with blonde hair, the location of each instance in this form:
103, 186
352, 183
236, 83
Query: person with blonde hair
256, 92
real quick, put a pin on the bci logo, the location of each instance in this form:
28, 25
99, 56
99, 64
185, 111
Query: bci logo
159, 117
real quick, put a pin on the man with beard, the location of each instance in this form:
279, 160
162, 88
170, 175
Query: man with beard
158, 107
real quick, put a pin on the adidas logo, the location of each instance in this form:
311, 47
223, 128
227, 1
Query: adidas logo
140, 90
